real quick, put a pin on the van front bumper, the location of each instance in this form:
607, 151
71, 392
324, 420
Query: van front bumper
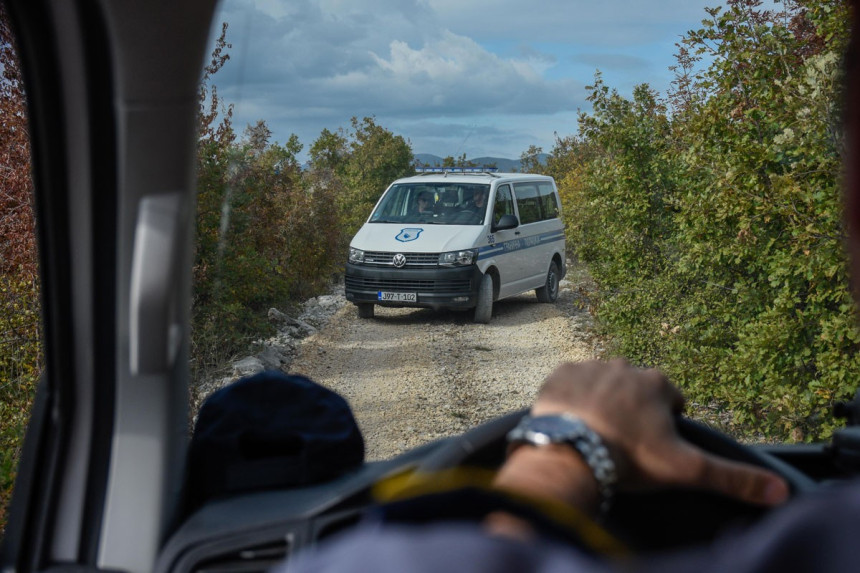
455, 288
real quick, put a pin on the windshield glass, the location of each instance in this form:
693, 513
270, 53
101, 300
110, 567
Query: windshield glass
438, 203
694, 224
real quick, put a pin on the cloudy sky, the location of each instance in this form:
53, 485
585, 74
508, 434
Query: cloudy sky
480, 77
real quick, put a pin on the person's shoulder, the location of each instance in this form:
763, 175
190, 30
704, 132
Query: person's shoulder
447, 547
813, 533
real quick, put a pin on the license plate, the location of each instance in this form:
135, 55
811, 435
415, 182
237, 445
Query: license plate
397, 296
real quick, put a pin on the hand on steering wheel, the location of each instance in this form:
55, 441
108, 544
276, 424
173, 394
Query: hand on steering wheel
634, 411
660, 505
637, 413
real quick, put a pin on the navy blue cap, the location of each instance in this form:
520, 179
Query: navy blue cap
269, 431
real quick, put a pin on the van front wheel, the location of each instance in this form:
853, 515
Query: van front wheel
365, 310
484, 308
549, 291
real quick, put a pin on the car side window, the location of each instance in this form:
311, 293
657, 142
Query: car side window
528, 203
504, 204
20, 315
548, 201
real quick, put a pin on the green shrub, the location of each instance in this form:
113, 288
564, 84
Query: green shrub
20, 368
714, 229
265, 238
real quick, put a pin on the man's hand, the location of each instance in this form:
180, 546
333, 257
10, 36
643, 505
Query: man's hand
633, 411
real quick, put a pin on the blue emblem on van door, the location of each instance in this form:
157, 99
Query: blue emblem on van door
408, 234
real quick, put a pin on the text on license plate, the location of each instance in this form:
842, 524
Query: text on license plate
397, 296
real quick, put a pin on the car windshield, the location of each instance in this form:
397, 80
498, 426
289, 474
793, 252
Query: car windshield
699, 206
437, 203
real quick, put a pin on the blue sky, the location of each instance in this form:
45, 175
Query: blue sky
480, 77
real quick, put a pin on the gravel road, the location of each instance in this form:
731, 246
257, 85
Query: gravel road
415, 375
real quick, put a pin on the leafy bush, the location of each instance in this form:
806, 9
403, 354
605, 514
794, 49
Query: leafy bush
714, 227
268, 233
264, 238
359, 165
20, 368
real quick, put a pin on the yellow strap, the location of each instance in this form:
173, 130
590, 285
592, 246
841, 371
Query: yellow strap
411, 484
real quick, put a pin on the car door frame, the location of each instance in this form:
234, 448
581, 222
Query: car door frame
540, 242
112, 99
502, 252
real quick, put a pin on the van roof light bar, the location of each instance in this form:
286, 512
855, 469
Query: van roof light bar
458, 170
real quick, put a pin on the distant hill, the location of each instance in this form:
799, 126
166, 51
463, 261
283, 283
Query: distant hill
504, 165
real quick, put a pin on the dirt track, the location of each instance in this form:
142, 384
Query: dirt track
414, 375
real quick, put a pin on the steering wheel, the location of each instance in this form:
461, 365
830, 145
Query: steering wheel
466, 214
646, 521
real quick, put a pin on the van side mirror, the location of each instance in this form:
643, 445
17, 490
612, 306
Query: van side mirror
506, 222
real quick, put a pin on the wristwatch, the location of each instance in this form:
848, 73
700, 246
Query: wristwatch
570, 430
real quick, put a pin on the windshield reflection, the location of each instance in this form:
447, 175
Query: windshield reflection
435, 203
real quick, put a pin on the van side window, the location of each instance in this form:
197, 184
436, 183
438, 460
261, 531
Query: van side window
504, 203
528, 202
548, 202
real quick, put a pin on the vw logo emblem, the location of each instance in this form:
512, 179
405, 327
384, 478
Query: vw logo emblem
399, 260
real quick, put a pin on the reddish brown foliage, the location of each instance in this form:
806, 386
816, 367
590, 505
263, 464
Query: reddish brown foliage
17, 225
20, 349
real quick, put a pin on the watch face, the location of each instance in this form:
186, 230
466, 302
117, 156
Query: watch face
548, 429
555, 426
555, 429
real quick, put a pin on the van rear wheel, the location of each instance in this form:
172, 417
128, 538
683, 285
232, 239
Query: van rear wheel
549, 291
484, 308
365, 310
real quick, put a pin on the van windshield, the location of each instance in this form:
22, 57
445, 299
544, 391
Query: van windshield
443, 203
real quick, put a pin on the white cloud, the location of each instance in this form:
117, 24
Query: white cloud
302, 65
454, 75
325, 59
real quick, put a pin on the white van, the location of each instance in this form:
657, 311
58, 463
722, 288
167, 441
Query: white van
432, 241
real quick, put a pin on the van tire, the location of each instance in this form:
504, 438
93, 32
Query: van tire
365, 310
484, 308
549, 291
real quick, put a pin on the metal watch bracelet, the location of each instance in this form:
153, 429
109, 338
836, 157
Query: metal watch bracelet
573, 431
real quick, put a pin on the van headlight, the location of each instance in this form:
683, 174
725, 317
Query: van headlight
458, 258
356, 255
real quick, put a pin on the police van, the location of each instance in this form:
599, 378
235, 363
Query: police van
458, 238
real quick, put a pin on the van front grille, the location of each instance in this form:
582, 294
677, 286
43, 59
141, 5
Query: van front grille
405, 285
413, 260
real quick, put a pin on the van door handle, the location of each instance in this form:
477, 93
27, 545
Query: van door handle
516, 232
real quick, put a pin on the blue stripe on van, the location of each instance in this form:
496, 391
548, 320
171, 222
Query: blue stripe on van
551, 237
488, 251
